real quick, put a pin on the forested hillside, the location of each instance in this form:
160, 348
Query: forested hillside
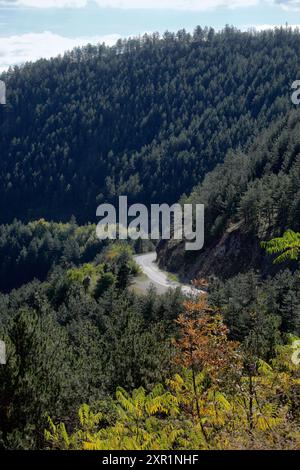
91, 363
251, 197
134, 118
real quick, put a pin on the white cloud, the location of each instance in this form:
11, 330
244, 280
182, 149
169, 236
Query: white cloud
177, 4
293, 5
196, 5
46, 3
138, 4
16, 50
265, 27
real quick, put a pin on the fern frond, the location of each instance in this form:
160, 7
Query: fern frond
288, 246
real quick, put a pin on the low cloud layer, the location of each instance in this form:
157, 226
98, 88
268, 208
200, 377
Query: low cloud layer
139, 4
154, 4
16, 50
265, 27
289, 4
197, 5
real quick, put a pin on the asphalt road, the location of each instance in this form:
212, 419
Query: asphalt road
158, 278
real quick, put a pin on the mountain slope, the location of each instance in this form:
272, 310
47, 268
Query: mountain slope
147, 118
249, 198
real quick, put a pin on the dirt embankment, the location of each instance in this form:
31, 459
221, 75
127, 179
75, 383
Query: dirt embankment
234, 252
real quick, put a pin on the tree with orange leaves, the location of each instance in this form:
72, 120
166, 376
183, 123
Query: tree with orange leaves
203, 346
203, 340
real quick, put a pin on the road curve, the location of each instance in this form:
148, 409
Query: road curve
159, 278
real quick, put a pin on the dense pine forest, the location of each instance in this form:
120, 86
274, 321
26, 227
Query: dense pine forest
253, 196
91, 363
98, 122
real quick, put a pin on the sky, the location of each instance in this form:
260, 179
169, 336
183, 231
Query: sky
31, 29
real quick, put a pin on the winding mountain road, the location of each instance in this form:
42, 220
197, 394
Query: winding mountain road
158, 278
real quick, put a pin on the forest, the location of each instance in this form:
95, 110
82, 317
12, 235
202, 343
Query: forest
91, 363
252, 196
99, 122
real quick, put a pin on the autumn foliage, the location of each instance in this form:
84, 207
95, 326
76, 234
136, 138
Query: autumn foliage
216, 398
203, 340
